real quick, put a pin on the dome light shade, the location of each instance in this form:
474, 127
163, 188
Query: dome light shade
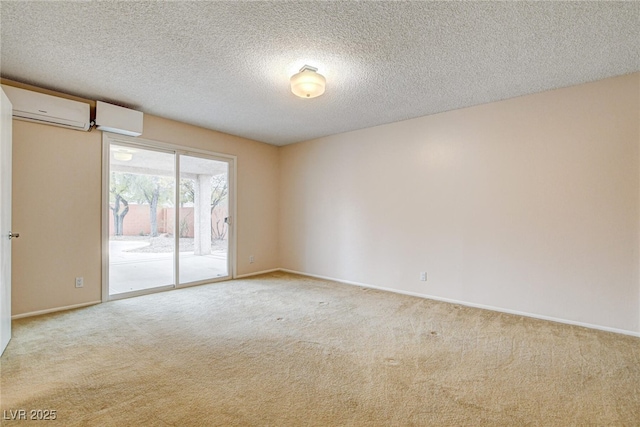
308, 83
121, 153
123, 156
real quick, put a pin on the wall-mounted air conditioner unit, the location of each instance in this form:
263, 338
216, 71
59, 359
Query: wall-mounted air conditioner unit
112, 118
46, 109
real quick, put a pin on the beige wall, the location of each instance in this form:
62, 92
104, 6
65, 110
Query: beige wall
57, 207
529, 204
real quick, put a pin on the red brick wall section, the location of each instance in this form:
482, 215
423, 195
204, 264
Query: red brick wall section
136, 222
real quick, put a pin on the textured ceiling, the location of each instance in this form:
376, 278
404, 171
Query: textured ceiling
226, 65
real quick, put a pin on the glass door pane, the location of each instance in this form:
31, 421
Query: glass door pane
141, 219
203, 213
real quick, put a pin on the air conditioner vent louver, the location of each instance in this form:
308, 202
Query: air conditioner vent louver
46, 109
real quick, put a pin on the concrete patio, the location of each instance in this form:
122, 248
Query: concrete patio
134, 271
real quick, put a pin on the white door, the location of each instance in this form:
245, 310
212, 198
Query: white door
5, 220
203, 219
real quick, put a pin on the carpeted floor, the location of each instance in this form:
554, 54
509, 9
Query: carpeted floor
285, 350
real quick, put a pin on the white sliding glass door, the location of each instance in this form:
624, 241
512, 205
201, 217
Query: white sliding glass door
141, 196
168, 217
203, 219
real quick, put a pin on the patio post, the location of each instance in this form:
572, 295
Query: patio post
202, 215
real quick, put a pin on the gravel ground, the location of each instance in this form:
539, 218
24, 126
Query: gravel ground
164, 244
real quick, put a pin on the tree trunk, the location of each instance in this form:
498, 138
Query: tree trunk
118, 217
118, 225
122, 214
153, 212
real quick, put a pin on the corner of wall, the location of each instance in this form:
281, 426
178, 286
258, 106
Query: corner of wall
279, 210
638, 201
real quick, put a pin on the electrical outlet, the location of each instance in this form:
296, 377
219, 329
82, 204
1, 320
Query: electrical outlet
79, 282
423, 276
251, 259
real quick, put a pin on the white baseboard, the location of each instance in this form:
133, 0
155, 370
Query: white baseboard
257, 273
86, 304
53, 310
470, 304
397, 291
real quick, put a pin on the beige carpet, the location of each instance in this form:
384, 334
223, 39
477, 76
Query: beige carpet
284, 350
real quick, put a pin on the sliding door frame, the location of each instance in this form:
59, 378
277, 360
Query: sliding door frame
177, 150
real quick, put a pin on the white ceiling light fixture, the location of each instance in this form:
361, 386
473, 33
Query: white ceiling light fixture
308, 83
123, 157
122, 154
